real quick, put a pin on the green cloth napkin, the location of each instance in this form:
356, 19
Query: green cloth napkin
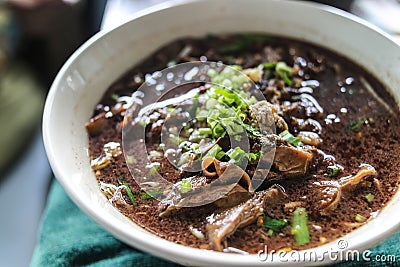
68, 237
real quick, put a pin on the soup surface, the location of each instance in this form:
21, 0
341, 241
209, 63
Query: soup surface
320, 160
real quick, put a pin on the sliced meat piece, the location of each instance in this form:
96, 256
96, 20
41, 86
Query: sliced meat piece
330, 194
265, 115
97, 124
331, 191
174, 197
350, 181
236, 196
292, 161
221, 225
206, 193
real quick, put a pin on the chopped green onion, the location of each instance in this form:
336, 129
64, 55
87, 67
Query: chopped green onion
232, 126
212, 73
211, 103
274, 224
283, 67
195, 148
195, 136
176, 140
288, 137
355, 125
216, 152
202, 115
213, 116
238, 80
300, 227
227, 83
254, 156
128, 191
205, 131
114, 96
185, 158
151, 194
220, 155
236, 67
185, 185
251, 130
218, 131
227, 107
161, 146
270, 232
370, 198
242, 116
286, 79
228, 96
153, 168
284, 71
333, 171
238, 138
236, 154
130, 159
359, 218
269, 65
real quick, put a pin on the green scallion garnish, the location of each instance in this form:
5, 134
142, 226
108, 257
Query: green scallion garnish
285, 72
236, 155
333, 170
269, 65
254, 156
286, 79
216, 152
281, 67
355, 125
274, 224
300, 227
161, 146
359, 218
128, 191
114, 96
205, 131
370, 198
251, 130
130, 159
185, 185
270, 232
288, 137
151, 194
218, 130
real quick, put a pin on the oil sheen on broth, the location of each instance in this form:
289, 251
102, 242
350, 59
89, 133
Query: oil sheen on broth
334, 168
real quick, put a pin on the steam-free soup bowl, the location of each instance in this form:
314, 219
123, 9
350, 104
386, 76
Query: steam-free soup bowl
87, 74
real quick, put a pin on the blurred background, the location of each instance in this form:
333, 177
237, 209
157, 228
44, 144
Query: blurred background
36, 38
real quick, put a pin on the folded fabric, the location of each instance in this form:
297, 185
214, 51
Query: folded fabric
68, 237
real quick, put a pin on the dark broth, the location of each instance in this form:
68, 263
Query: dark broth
356, 128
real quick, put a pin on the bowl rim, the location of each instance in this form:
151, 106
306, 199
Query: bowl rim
163, 248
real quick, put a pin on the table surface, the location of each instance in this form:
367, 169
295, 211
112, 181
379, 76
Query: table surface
31, 176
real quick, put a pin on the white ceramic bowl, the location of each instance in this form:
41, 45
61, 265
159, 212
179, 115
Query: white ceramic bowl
105, 57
